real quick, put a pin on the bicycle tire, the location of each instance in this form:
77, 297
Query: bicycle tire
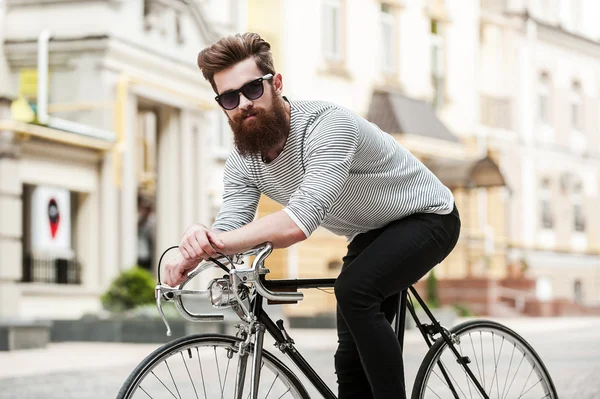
132, 382
435, 352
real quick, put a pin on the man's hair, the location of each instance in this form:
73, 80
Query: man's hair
232, 49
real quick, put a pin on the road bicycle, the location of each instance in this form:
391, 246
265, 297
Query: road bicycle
475, 359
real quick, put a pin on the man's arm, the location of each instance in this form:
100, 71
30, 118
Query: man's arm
330, 151
277, 228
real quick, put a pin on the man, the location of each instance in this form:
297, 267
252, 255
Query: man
331, 168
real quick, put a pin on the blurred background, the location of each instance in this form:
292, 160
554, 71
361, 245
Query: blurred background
111, 143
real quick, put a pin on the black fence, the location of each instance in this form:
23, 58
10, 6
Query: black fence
53, 271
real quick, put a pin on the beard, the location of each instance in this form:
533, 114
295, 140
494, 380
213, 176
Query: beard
262, 133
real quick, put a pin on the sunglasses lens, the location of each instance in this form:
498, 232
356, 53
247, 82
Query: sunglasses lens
229, 100
253, 90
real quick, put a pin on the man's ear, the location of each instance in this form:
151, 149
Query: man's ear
278, 83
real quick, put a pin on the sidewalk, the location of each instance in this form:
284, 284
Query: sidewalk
82, 356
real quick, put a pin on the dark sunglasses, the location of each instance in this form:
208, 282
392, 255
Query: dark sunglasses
252, 91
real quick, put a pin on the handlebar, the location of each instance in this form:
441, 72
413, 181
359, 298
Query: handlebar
237, 277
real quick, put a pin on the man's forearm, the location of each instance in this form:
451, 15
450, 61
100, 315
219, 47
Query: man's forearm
278, 228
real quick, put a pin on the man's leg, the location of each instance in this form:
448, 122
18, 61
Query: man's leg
352, 380
397, 257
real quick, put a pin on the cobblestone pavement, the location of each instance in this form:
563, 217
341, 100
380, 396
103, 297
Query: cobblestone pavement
569, 347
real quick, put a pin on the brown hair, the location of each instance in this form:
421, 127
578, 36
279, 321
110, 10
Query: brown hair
232, 49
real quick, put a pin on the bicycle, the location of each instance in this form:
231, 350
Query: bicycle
447, 371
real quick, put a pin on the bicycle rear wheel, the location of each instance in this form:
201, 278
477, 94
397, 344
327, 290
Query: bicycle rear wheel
505, 365
207, 366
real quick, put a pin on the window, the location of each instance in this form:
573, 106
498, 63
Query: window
578, 214
576, 114
332, 30
387, 43
437, 64
544, 99
578, 291
547, 218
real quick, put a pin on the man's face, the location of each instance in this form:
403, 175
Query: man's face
258, 125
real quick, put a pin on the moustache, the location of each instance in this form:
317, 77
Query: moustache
247, 113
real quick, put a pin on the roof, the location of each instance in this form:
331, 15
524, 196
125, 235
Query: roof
395, 113
473, 173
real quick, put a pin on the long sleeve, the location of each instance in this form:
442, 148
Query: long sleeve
330, 148
240, 196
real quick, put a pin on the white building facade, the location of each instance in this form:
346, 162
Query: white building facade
129, 116
516, 79
543, 58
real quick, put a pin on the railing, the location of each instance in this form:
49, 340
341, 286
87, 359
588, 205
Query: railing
52, 271
496, 112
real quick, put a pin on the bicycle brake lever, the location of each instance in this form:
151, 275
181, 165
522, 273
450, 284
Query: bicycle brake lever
160, 310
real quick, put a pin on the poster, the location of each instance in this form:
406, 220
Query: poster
51, 222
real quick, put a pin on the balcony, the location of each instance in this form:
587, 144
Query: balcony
51, 271
496, 112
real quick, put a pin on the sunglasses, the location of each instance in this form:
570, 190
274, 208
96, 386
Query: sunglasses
252, 91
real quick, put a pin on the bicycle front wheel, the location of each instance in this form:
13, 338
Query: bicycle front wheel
503, 363
207, 366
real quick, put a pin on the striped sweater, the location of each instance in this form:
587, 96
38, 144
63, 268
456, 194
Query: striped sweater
336, 170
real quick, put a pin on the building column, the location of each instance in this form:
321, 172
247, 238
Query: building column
170, 176
187, 160
129, 187
11, 219
110, 262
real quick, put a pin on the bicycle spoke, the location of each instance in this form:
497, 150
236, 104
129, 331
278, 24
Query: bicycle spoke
515, 376
201, 372
172, 378
540, 380
288, 390
188, 372
482, 359
163, 384
146, 393
465, 371
221, 385
270, 388
225, 378
496, 371
475, 356
440, 365
526, 381
509, 367
434, 392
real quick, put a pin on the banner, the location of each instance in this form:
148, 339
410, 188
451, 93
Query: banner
51, 222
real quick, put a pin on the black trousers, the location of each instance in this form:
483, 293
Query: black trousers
380, 264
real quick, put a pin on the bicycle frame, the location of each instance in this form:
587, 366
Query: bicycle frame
287, 289
286, 345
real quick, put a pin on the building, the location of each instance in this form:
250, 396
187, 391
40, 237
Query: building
395, 62
122, 116
550, 98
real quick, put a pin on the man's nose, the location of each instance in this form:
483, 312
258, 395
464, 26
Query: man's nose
244, 102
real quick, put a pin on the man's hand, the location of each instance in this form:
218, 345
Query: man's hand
177, 269
199, 243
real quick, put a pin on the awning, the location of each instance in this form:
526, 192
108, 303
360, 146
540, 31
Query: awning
398, 114
454, 174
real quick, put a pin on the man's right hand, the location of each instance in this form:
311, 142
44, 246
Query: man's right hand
176, 270
199, 243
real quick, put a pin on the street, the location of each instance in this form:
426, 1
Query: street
568, 346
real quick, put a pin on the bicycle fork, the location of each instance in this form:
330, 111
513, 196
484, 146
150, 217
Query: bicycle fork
257, 331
